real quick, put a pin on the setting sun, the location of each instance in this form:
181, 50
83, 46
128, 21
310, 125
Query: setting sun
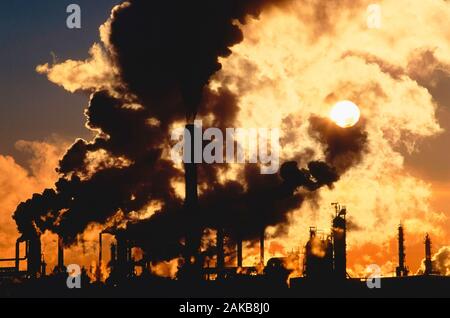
345, 114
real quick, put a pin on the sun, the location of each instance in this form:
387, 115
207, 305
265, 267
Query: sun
345, 114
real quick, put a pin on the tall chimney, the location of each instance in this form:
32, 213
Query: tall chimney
401, 269
220, 252
428, 263
339, 242
239, 252
261, 246
60, 254
100, 257
190, 167
191, 191
34, 256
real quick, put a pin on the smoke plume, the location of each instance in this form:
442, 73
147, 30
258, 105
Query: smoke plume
152, 70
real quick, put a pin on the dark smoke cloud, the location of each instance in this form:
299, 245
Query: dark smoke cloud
352, 225
80, 200
344, 147
243, 212
166, 52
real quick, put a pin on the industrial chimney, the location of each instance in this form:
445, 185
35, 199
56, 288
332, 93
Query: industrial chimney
60, 265
239, 252
220, 252
401, 269
339, 233
191, 192
100, 257
261, 246
428, 263
34, 256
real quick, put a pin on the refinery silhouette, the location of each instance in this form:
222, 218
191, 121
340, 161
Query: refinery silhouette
321, 273
163, 56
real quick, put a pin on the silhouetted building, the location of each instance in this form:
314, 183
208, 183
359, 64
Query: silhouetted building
401, 269
428, 263
318, 261
122, 263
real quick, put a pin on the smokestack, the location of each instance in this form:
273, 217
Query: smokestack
100, 257
121, 256
17, 262
401, 269
190, 168
261, 246
60, 254
34, 256
428, 263
113, 250
43, 270
191, 199
239, 252
339, 242
220, 252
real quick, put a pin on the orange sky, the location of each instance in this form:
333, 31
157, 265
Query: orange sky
295, 63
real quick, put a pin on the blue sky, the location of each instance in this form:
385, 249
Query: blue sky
31, 107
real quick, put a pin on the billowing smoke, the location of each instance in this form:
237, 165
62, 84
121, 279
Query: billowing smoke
167, 51
163, 54
243, 212
292, 65
440, 262
343, 147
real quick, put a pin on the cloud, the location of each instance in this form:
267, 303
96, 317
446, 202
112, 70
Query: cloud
440, 262
95, 73
18, 183
299, 69
292, 65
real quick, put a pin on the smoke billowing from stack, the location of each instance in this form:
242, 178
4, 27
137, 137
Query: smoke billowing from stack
166, 53
344, 147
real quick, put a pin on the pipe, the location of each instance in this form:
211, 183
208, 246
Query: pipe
191, 191
100, 252
239, 252
220, 252
17, 255
261, 246
100, 249
60, 254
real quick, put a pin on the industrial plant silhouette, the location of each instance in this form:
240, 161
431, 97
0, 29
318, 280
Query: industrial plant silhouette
165, 55
323, 268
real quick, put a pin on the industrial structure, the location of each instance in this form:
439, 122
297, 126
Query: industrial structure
402, 269
325, 255
35, 264
324, 261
